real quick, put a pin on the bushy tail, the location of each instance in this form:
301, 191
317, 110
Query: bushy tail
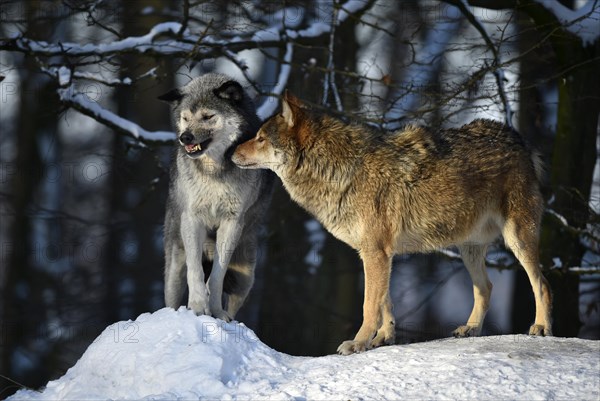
538, 165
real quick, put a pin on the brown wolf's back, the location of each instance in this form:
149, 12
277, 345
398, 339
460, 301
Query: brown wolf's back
431, 185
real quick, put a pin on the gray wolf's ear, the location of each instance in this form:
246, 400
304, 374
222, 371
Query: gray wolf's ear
230, 90
172, 96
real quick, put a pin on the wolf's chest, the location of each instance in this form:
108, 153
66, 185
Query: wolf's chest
213, 202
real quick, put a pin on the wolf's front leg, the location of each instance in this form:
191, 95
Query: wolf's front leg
175, 272
228, 236
193, 235
386, 334
377, 265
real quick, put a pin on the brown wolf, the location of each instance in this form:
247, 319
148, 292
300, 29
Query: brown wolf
410, 191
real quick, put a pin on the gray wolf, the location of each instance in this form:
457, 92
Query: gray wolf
413, 190
213, 208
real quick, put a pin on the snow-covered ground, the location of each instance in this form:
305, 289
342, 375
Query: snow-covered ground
177, 355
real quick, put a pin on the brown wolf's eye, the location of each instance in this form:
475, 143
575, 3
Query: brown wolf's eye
260, 139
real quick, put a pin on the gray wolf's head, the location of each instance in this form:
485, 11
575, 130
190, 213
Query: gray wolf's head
212, 114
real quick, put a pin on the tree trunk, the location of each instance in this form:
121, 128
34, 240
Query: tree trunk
536, 68
23, 314
573, 162
132, 255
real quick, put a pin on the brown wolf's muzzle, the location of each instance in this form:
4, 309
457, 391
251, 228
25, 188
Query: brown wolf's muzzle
241, 155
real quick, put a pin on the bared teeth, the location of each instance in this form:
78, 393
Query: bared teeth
194, 148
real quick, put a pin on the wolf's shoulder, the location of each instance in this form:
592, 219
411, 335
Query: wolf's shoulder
481, 128
413, 135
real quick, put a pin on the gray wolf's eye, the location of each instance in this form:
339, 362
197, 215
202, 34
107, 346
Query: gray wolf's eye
207, 117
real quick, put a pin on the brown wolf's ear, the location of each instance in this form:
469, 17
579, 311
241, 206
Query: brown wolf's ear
289, 108
287, 95
293, 113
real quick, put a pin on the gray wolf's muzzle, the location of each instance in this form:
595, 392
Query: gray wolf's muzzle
193, 145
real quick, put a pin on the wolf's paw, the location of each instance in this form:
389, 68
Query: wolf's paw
383, 338
540, 330
199, 308
352, 347
223, 315
466, 331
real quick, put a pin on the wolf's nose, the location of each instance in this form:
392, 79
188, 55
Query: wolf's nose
186, 138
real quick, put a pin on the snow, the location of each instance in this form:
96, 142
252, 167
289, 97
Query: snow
64, 76
560, 217
316, 239
176, 355
290, 17
350, 8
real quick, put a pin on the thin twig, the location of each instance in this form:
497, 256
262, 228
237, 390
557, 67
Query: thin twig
496, 64
426, 299
185, 19
22, 386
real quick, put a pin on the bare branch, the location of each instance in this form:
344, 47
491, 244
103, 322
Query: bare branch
330, 75
421, 72
185, 19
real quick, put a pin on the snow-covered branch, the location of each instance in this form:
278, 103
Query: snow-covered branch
174, 40
270, 105
587, 235
80, 102
148, 44
189, 46
503, 260
584, 23
64, 75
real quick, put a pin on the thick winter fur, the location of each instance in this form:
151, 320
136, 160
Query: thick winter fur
410, 191
214, 208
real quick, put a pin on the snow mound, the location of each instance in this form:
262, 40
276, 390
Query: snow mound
176, 355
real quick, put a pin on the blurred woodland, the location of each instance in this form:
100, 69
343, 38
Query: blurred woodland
85, 149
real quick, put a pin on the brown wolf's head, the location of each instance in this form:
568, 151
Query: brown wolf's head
277, 140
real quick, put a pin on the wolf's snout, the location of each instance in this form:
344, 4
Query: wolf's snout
186, 138
239, 158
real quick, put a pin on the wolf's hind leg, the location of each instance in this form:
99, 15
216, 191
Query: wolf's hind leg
522, 239
237, 285
228, 236
474, 257
240, 272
